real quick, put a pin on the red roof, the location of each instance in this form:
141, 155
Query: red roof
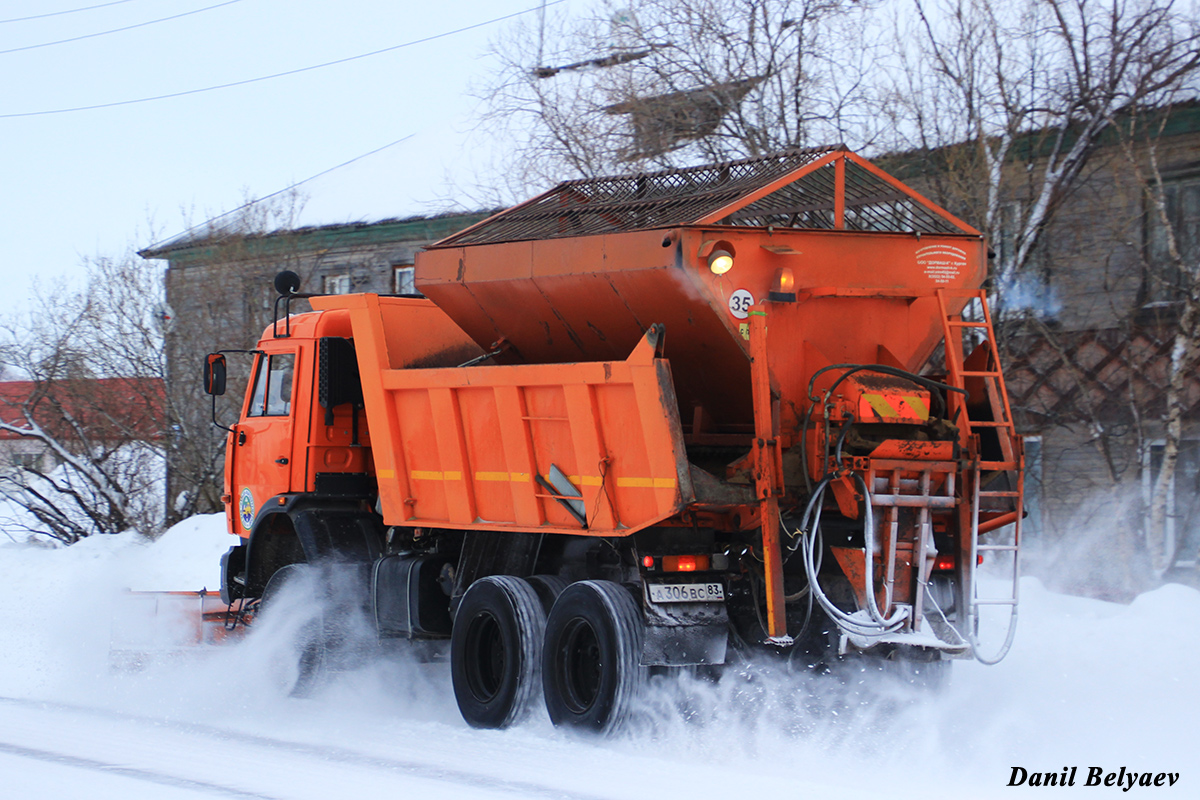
107, 409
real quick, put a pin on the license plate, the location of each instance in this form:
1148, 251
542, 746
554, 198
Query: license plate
686, 592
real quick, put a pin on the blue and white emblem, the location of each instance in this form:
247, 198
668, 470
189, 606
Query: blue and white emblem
246, 508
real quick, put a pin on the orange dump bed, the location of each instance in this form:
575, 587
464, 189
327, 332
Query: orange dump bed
476, 447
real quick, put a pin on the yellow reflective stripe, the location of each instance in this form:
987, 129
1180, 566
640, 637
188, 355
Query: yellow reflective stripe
647, 483
880, 405
386, 473
435, 475
491, 476
582, 480
514, 477
917, 405
520, 477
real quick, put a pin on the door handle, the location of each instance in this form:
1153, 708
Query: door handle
281, 461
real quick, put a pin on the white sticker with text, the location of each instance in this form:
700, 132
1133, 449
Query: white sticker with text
942, 263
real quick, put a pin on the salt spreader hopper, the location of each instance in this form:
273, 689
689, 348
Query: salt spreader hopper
832, 361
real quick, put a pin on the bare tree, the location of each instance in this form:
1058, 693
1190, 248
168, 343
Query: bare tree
224, 300
1177, 268
1037, 82
92, 403
1017, 108
676, 81
104, 383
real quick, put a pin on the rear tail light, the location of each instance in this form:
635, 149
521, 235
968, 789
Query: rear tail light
685, 563
948, 562
697, 563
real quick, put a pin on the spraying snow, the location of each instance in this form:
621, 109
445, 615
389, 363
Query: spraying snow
1087, 684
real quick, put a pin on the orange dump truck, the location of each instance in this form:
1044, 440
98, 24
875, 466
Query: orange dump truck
647, 421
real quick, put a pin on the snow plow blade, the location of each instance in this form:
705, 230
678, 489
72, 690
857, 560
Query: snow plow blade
151, 626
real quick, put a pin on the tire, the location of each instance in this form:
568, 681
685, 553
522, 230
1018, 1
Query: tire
548, 588
307, 652
495, 651
331, 636
591, 663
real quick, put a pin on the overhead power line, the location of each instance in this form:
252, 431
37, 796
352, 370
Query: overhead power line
118, 30
280, 74
256, 201
68, 11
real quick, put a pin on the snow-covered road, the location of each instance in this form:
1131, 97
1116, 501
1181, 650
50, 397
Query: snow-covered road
1088, 684
193, 759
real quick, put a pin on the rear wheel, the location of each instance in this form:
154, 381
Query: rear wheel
548, 588
495, 651
591, 664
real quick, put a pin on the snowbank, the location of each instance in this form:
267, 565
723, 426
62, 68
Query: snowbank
60, 601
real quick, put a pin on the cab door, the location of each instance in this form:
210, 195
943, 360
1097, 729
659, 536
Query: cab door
262, 447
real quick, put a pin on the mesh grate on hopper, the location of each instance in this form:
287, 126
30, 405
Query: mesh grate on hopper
678, 197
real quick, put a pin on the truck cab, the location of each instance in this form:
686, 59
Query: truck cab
302, 439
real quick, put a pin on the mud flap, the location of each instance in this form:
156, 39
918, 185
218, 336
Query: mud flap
683, 634
349, 534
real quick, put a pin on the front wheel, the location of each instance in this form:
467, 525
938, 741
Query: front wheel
320, 609
495, 651
591, 664
292, 590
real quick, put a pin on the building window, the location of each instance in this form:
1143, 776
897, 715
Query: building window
404, 280
1027, 286
31, 461
337, 284
1004, 242
1181, 537
1032, 524
1165, 281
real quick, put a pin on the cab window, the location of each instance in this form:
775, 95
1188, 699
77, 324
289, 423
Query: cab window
273, 386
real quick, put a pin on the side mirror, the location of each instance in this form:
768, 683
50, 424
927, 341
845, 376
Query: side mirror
214, 374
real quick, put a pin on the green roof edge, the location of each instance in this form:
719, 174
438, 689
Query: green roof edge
319, 237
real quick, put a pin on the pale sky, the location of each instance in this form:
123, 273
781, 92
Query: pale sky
92, 183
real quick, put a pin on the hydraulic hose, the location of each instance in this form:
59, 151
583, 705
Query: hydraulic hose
808, 535
928, 383
898, 615
811, 545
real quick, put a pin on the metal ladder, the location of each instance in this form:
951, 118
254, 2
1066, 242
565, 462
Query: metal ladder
892, 492
985, 366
